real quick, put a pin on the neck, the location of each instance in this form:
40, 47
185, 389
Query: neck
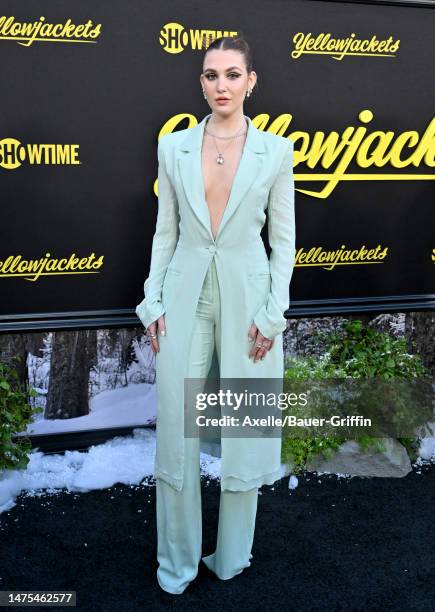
226, 126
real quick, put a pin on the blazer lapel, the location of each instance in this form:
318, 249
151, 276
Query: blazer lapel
192, 178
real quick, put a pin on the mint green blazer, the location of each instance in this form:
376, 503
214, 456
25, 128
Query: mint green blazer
253, 287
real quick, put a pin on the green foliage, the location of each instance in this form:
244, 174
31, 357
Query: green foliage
363, 352
15, 414
358, 351
300, 450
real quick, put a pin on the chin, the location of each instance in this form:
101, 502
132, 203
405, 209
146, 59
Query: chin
224, 110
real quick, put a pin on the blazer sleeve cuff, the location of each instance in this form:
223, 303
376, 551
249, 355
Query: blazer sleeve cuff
148, 312
269, 326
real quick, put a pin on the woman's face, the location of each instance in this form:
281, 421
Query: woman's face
224, 75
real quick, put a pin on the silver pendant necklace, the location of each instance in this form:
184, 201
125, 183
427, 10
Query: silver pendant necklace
220, 158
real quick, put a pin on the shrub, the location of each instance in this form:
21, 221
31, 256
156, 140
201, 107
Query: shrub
15, 414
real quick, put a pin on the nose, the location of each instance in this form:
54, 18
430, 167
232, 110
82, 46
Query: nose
221, 85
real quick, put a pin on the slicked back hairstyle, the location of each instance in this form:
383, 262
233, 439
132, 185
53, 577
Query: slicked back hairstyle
236, 43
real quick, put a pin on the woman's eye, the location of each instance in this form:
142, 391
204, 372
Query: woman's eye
209, 77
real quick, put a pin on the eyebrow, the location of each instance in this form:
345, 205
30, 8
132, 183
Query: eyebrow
231, 68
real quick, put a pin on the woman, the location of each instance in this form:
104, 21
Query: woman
214, 306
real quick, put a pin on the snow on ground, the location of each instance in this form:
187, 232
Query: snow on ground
124, 459
427, 448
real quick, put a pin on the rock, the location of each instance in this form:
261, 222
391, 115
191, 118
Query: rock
352, 459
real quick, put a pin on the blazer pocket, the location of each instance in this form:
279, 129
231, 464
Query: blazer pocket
258, 287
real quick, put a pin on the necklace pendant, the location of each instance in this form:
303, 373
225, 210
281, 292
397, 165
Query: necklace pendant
219, 159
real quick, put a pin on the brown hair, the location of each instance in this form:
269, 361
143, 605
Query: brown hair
236, 43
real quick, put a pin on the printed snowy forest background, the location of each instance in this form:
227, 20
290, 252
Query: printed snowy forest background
87, 379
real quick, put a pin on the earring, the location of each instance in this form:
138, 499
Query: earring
205, 96
248, 93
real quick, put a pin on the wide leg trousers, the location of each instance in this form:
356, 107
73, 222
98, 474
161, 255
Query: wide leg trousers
179, 517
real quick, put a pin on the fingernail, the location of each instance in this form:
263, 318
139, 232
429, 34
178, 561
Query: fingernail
163, 332
250, 339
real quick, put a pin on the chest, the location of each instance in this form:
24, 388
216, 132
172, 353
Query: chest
219, 178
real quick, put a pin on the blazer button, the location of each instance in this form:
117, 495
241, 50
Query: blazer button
212, 248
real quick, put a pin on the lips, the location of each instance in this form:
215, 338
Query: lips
218, 99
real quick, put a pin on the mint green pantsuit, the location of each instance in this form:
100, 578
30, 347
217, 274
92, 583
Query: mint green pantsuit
179, 517
252, 288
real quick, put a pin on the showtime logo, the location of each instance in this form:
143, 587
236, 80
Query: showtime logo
13, 154
175, 38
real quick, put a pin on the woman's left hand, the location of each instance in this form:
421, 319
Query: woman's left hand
260, 344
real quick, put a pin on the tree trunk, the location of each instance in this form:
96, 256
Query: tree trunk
73, 353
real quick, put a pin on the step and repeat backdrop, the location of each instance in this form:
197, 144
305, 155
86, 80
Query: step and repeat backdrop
88, 88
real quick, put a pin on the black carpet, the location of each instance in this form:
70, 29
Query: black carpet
330, 544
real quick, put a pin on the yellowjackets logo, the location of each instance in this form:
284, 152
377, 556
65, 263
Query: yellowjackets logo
175, 38
381, 155
338, 48
433, 255
26, 33
13, 154
32, 269
329, 258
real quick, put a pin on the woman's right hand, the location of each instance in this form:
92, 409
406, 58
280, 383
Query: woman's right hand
158, 327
